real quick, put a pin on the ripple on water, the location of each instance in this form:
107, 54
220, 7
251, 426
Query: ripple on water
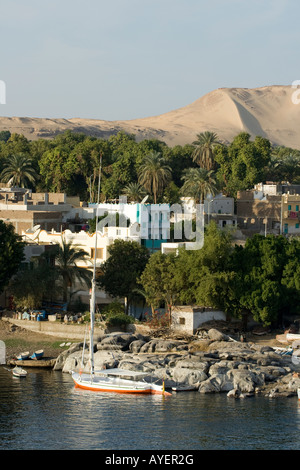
46, 411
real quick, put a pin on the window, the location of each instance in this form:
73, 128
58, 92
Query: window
99, 253
297, 208
182, 321
289, 207
296, 225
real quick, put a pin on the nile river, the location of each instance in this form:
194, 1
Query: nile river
44, 411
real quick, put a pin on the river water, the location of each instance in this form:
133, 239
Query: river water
44, 411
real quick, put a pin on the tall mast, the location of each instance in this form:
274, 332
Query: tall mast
93, 293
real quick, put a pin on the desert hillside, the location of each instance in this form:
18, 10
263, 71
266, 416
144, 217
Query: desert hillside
267, 111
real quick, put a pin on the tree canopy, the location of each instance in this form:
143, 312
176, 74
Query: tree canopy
120, 272
70, 163
11, 253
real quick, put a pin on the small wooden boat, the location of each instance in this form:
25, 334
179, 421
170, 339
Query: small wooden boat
19, 372
37, 355
23, 356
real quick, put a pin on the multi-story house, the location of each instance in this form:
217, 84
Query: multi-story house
271, 208
25, 209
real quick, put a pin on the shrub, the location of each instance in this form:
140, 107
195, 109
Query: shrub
116, 319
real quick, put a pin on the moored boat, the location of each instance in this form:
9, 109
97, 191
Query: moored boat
37, 354
19, 372
118, 381
23, 356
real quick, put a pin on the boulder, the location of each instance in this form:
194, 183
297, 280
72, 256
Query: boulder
215, 384
149, 346
72, 362
135, 346
234, 393
117, 341
222, 367
192, 365
61, 359
216, 335
245, 380
188, 376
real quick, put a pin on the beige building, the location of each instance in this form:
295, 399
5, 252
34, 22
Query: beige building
268, 210
290, 205
25, 209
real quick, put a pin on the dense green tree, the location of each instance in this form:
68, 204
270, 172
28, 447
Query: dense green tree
67, 256
204, 151
208, 274
134, 192
154, 174
16, 144
179, 159
120, 272
11, 253
5, 135
265, 278
31, 286
161, 281
19, 171
242, 164
58, 168
198, 183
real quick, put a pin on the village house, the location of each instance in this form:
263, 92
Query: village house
271, 208
25, 209
186, 319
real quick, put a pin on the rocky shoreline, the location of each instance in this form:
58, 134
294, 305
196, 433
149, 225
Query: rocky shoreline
213, 363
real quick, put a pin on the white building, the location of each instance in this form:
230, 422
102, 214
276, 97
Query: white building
86, 241
187, 318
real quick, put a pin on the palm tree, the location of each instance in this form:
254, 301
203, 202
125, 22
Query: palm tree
154, 173
283, 167
135, 192
67, 255
204, 151
18, 170
198, 183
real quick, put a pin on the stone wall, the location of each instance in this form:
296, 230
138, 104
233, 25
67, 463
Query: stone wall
69, 331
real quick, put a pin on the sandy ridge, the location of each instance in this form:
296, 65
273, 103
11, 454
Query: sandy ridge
267, 111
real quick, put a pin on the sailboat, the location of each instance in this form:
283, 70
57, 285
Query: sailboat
110, 380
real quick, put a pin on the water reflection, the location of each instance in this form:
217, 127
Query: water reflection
56, 415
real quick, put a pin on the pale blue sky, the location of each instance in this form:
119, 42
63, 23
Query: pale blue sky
126, 59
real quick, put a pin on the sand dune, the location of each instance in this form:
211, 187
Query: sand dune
267, 111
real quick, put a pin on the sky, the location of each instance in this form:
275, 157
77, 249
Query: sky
129, 59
